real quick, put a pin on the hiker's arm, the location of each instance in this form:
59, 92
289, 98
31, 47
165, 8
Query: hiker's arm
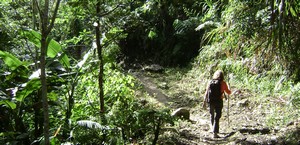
206, 94
205, 98
226, 88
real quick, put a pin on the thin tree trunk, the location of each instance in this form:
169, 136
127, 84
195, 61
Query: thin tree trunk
34, 12
99, 49
38, 116
272, 22
156, 131
281, 25
45, 30
44, 46
69, 108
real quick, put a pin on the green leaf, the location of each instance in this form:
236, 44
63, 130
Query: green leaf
30, 87
54, 48
293, 12
9, 104
33, 36
11, 61
152, 34
52, 96
64, 60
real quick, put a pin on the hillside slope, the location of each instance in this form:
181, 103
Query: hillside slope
244, 123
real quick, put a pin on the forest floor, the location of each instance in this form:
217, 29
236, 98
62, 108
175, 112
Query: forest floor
244, 122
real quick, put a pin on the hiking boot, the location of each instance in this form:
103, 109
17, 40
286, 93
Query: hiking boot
216, 135
211, 128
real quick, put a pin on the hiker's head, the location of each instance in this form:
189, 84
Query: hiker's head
218, 75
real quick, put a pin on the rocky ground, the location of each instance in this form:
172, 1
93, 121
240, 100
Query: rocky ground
243, 119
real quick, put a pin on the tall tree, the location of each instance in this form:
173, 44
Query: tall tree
46, 27
99, 49
100, 46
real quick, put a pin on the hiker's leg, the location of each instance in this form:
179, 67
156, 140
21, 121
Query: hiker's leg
212, 113
218, 108
217, 120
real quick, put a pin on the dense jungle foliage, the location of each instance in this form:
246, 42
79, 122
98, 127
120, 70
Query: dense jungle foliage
64, 64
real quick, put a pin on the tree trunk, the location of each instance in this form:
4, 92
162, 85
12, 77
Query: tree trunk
156, 131
281, 25
69, 108
272, 22
45, 30
38, 117
44, 46
34, 12
99, 49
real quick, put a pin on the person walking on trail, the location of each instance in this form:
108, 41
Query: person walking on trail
214, 97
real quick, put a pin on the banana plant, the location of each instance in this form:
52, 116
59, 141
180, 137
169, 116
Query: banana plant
19, 81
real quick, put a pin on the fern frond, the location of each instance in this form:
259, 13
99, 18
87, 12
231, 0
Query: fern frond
186, 25
212, 33
191, 12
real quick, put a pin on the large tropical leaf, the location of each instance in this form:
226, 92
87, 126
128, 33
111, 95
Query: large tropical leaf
11, 61
54, 48
7, 103
30, 87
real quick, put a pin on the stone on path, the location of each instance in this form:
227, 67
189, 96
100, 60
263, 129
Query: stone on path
154, 68
181, 113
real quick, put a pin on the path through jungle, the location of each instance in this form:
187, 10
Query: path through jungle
245, 125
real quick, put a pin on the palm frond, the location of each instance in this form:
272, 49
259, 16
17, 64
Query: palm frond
207, 24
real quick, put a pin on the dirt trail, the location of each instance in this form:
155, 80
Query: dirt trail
151, 88
246, 119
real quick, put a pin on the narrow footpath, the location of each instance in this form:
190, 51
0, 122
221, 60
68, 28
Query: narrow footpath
243, 123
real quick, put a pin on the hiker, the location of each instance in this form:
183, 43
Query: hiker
214, 97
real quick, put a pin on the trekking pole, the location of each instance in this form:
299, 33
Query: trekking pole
228, 112
228, 122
